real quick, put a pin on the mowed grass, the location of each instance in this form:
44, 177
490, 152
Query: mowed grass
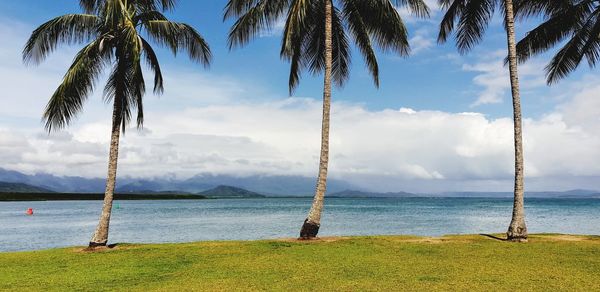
470, 262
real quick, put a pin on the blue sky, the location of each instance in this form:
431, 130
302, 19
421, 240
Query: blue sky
431, 79
459, 103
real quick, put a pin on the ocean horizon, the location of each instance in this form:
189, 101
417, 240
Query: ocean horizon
71, 223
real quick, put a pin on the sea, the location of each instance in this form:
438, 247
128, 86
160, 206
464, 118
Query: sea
71, 223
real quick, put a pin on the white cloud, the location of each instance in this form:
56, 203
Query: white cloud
208, 123
493, 77
282, 137
421, 41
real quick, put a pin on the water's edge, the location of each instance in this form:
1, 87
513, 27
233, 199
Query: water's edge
71, 223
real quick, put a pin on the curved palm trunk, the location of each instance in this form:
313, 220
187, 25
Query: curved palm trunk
517, 231
311, 225
100, 237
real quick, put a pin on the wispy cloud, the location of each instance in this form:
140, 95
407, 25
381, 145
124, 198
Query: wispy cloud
493, 77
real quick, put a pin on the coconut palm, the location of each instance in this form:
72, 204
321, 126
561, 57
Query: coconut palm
468, 19
575, 21
316, 37
112, 33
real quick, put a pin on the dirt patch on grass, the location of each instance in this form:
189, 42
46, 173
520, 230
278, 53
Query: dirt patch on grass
428, 240
434, 240
565, 237
110, 247
315, 240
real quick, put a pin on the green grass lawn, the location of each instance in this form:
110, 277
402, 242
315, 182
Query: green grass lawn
471, 262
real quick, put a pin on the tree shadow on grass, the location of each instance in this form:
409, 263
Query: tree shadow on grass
100, 248
493, 236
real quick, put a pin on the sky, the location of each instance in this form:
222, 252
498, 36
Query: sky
440, 121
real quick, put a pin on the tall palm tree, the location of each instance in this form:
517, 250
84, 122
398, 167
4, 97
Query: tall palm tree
469, 19
576, 21
112, 31
316, 38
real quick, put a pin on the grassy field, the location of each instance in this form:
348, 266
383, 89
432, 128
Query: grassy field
471, 262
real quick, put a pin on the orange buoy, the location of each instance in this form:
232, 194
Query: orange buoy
29, 211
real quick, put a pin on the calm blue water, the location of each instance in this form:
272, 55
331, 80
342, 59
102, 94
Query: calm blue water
59, 224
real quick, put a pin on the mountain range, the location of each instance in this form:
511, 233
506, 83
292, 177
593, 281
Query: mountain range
6, 187
211, 185
230, 192
276, 185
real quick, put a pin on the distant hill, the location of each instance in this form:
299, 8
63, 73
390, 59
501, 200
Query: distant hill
270, 185
230, 192
363, 194
6, 187
92, 197
273, 185
54, 183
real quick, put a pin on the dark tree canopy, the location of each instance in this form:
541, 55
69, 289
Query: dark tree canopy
364, 23
114, 33
574, 22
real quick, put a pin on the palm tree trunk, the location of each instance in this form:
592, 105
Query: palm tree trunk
100, 237
311, 225
517, 230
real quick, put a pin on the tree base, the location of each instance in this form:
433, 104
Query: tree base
516, 238
93, 245
516, 234
309, 230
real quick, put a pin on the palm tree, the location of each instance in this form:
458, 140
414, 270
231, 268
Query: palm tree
576, 22
112, 30
469, 19
315, 37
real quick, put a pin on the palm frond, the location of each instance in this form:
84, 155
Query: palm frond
112, 28
314, 46
67, 101
94, 6
546, 35
66, 29
583, 43
179, 36
473, 22
531, 8
417, 7
358, 29
454, 10
578, 22
117, 89
154, 65
384, 25
236, 8
254, 17
148, 16
341, 50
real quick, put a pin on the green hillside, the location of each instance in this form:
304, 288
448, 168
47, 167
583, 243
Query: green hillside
92, 197
230, 192
6, 187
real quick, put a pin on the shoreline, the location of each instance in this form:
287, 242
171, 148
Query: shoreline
408, 238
